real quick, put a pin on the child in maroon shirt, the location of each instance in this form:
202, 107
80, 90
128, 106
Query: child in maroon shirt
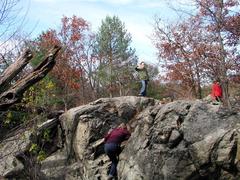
112, 147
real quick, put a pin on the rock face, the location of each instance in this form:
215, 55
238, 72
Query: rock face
181, 140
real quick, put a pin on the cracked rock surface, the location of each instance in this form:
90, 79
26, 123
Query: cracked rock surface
181, 140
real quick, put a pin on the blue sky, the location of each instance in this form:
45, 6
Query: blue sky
136, 14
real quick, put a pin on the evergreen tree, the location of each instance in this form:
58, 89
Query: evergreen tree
116, 56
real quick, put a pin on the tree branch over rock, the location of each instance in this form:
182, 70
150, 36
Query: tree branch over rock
14, 69
14, 93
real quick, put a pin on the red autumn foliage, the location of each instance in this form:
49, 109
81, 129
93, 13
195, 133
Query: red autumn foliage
74, 36
201, 47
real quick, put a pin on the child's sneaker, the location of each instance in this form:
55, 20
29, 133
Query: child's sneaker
110, 177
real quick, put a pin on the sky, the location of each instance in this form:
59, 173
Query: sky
137, 15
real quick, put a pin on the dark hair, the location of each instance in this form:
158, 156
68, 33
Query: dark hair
216, 80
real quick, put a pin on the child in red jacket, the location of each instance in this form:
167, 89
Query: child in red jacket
216, 91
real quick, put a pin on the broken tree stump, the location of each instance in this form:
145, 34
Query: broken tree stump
13, 94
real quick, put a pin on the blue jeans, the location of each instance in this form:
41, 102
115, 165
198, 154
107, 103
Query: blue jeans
143, 90
112, 150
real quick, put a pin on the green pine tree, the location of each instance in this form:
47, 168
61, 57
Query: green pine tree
116, 56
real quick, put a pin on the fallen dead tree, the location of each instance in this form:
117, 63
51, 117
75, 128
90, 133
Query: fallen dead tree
12, 94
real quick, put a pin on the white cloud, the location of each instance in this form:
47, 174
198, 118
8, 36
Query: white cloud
140, 29
136, 14
119, 1
45, 1
142, 3
152, 3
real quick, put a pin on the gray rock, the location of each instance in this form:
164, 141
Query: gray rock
9, 149
187, 140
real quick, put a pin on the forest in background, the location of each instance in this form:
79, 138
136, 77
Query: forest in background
191, 52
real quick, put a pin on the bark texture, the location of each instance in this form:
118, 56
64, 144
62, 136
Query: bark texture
11, 94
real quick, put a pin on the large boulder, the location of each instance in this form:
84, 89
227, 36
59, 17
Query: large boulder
10, 149
187, 140
179, 140
19, 152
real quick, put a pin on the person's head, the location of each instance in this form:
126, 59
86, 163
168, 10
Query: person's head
141, 64
123, 125
216, 80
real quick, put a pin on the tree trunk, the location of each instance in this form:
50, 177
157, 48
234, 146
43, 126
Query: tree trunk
15, 92
14, 69
111, 74
223, 71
